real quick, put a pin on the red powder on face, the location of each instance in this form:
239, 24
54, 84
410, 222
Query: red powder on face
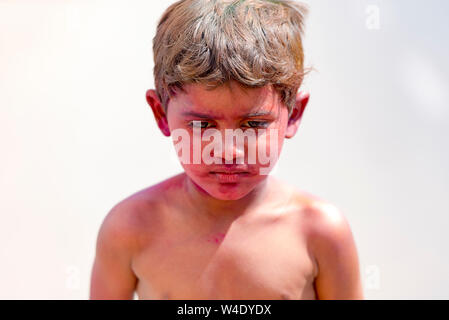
217, 238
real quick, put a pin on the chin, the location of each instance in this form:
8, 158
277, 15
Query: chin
228, 192
223, 191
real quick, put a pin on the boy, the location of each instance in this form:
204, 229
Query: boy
224, 228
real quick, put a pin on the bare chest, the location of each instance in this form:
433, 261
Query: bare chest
261, 261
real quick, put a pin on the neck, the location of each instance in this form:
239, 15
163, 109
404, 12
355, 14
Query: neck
217, 209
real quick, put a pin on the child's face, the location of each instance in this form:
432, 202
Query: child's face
228, 107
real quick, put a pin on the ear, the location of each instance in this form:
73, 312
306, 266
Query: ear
302, 98
158, 111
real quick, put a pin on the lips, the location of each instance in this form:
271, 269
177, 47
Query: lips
230, 168
230, 176
229, 173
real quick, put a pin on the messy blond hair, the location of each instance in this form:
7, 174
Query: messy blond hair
254, 42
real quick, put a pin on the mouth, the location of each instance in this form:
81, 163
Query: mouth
229, 176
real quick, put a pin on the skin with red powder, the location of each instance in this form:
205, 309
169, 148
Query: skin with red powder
199, 235
217, 238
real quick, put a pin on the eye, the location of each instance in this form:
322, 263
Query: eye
203, 124
257, 124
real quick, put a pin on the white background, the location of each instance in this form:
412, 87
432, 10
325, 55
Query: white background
77, 136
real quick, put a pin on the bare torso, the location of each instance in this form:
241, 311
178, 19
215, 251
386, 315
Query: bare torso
262, 255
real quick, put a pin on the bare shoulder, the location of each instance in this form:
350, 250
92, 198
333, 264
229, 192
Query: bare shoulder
130, 222
124, 232
326, 225
322, 223
320, 216
332, 248
325, 219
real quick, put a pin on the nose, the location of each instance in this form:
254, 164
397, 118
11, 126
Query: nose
231, 152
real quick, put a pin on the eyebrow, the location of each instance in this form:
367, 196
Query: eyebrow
210, 116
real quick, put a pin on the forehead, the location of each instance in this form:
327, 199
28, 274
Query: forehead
230, 100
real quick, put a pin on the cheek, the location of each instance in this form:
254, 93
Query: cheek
281, 128
280, 138
272, 140
188, 153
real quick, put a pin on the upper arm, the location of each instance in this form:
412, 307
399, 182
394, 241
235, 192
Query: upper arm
336, 255
112, 276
